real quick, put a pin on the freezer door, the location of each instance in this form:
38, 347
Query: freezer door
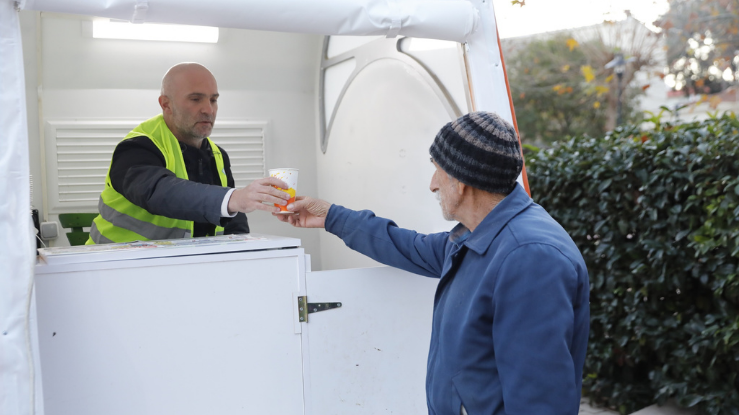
199, 334
369, 356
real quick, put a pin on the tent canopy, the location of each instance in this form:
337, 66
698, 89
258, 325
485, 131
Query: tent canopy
435, 19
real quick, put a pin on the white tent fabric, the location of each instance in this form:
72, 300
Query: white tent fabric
454, 20
16, 239
438, 19
487, 77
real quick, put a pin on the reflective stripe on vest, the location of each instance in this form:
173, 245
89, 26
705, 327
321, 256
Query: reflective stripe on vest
122, 221
143, 228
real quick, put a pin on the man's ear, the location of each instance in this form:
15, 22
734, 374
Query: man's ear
164, 103
461, 187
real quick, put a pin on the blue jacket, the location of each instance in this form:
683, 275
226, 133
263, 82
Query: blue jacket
511, 312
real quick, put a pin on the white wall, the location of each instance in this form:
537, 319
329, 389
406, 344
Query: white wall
261, 76
378, 151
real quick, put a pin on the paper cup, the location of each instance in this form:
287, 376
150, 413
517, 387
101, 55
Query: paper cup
289, 176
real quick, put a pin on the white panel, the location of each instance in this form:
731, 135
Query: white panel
335, 77
340, 44
188, 335
78, 154
378, 157
369, 356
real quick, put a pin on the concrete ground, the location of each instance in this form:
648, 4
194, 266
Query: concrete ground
668, 409
586, 409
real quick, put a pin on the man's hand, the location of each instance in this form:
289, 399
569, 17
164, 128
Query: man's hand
308, 213
250, 198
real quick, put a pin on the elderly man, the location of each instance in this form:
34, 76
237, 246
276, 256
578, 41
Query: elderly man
511, 312
168, 180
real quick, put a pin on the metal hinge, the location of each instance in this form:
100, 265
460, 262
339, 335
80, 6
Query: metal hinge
305, 308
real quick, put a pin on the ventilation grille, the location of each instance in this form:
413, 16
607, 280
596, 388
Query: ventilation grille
245, 147
79, 154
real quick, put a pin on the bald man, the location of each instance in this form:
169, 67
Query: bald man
168, 180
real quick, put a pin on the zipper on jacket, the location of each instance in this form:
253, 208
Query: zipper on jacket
200, 167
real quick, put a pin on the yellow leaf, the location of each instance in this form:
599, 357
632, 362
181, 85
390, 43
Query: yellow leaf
557, 87
609, 79
572, 44
519, 2
601, 89
714, 101
703, 98
587, 72
596, 104
565, 68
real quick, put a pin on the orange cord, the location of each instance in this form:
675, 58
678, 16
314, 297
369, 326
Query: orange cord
513, 113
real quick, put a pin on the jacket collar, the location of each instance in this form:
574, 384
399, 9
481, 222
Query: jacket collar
494, 222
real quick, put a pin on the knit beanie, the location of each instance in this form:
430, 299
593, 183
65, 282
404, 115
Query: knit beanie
481, 150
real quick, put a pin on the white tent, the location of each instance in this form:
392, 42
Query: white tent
469, 22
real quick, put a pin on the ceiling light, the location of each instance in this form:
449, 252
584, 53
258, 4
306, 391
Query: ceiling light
104, 29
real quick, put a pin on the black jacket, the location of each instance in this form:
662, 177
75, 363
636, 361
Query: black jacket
138, 172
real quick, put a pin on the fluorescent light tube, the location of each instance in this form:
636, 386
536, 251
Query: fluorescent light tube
103, 29
419, 44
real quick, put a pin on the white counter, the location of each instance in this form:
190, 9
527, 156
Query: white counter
212, 326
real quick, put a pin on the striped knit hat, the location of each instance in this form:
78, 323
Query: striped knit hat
481, 150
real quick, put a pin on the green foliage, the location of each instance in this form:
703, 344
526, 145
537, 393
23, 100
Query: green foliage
552, 96
656, 216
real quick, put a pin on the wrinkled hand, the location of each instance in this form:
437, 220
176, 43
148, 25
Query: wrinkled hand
250, 198
308, 213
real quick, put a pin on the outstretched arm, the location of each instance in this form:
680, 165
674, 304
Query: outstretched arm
378, 238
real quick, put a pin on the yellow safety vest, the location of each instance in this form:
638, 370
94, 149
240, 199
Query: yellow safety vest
122, 221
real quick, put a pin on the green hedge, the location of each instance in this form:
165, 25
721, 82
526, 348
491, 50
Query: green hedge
656, 216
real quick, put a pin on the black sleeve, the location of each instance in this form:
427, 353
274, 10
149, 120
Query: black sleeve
138, 172
238, 224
